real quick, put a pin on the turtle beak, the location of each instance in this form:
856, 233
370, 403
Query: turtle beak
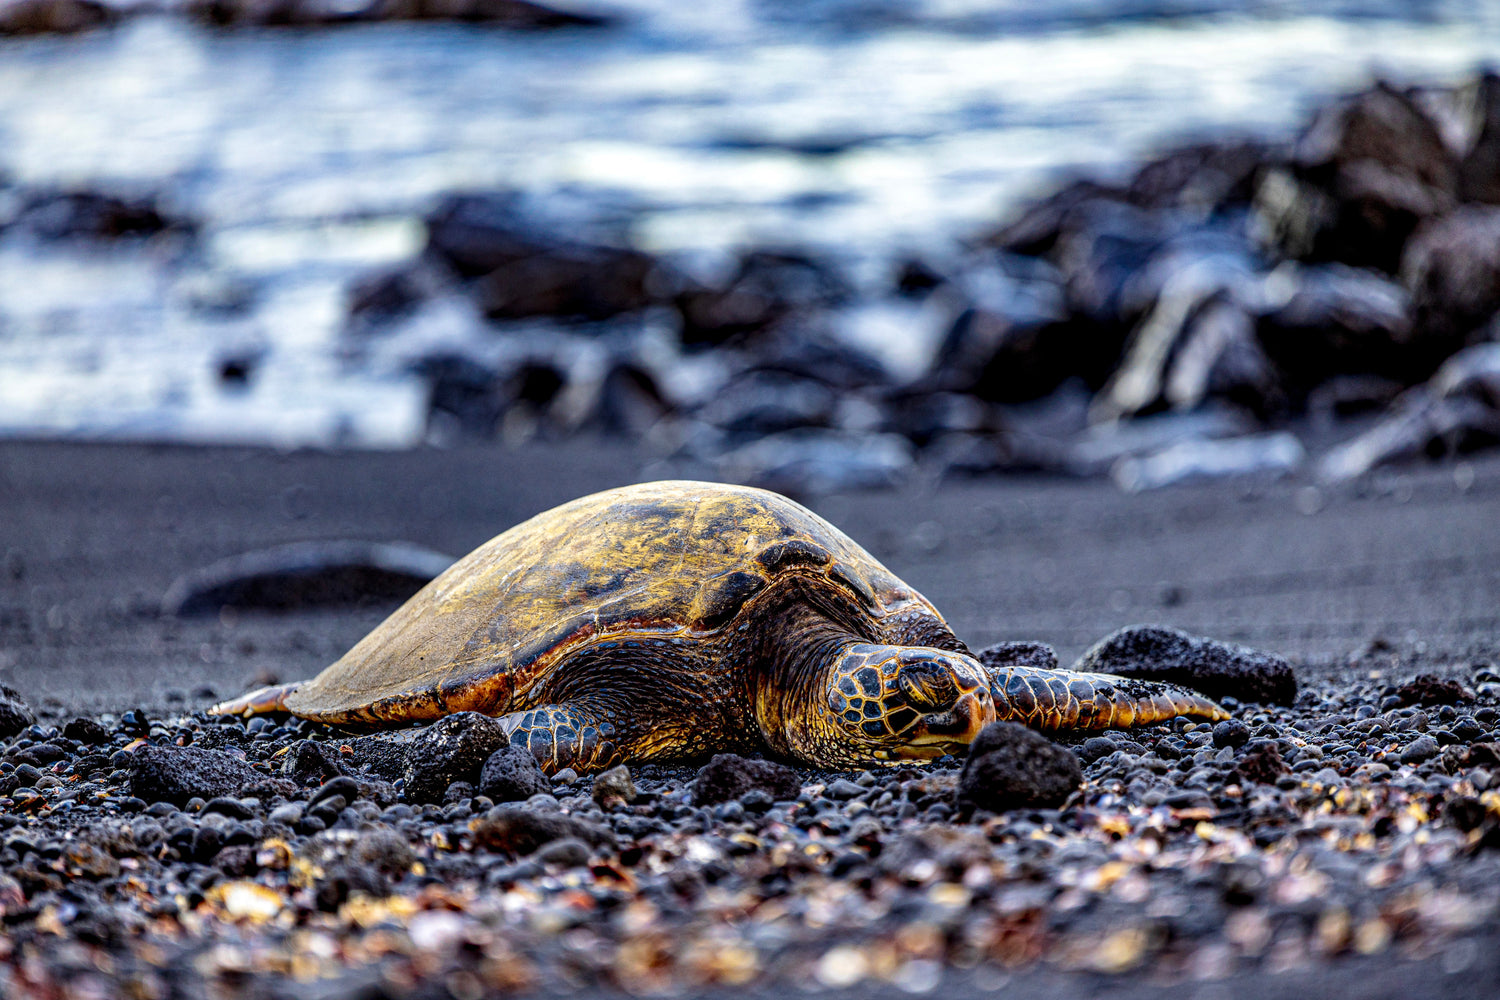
960, 724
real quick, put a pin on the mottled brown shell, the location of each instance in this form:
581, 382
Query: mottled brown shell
675, 560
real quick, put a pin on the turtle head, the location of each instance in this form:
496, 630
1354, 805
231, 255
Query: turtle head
892, 703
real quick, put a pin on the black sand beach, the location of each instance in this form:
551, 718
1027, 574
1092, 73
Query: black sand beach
1366, 585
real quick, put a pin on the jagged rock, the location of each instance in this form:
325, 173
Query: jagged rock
925, 417
1364, 174
811, 461
82, 214
15, 714
1201, 178
757, 403
382, 754
531, 264
1457, 410
1037, 655
1452, 267
394, 292
1216, 669
1035, 232
1479, 171
468, 399
177, 774
503, 13
580, 282
1196, 340
767, 287
1317, 322
309, 763
1429, 689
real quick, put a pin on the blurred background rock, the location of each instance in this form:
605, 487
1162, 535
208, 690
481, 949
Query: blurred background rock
820, 246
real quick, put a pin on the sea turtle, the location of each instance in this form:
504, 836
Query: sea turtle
672, 620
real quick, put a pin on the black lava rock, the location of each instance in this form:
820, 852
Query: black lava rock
177, 774
86, 731
1481, 755
511, 774
15, 714
520, 831
1018, 654
1092, 749
311, 763
1217, 669
454, 748
1231, 733
1429, 689
1012, 767
384, 755
67, 215
729, 776
1261, 762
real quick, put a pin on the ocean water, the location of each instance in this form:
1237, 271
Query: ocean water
860, 128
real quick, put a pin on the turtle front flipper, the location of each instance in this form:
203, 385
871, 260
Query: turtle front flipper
261, 701
562, 736
1058, 700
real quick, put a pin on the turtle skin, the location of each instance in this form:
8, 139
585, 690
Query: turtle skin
674, 620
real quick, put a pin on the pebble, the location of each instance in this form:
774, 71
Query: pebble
568, 852
343, 787
614, 787
287, 815
1421, 749
1346, 801
1231, 733
86, 731
843, 789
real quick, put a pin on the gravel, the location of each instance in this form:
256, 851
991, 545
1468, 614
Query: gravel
1287, 837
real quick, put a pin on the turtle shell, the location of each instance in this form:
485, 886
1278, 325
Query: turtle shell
671, 559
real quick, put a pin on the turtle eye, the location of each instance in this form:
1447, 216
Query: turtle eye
927, 686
